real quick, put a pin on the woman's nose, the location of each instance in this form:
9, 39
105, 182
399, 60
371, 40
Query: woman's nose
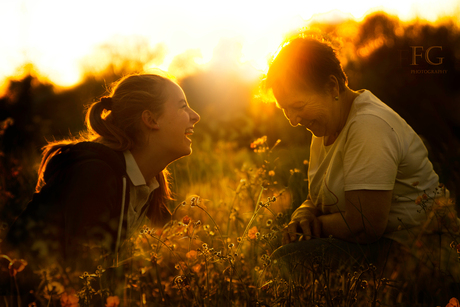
292, 117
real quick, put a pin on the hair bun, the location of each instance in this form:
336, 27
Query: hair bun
107, 103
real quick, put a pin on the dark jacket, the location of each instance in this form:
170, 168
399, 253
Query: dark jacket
82, 206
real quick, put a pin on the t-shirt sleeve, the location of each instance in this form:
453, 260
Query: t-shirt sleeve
370, 155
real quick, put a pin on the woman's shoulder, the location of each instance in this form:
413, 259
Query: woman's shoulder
367, 106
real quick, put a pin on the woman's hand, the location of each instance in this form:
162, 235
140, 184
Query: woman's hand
304, 221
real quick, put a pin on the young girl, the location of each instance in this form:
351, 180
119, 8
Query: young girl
95, 191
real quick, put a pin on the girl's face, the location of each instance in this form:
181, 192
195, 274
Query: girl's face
176, 123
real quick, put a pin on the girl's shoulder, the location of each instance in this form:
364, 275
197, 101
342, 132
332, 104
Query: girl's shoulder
75, 155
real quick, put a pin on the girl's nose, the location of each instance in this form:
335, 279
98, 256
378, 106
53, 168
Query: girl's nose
195, 117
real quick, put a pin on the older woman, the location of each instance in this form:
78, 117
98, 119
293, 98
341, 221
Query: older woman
367, 165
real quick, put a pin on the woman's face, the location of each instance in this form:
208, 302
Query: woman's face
176, 123
309, 108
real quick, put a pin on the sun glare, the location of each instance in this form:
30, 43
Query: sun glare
58, 38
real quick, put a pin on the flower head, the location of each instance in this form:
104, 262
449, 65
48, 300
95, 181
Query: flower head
69, 300
186, 220
16, 266
252, 233
191, 254
453, 303
112, 301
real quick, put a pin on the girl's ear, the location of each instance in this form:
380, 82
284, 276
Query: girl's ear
150, 120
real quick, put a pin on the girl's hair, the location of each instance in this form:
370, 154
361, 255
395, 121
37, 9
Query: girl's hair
115, 120
304, 60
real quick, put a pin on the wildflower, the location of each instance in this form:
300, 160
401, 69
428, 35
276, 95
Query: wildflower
191, 254
453, 302
305, 162
424, 196
198, 223
418, 200
206, 227
69, 300
186, 220
193, 202
279, 216
112, 301
183, 203
231, 245
177, 266
239, 239
252, 232
271, 173
53, 288
269, 223
16, 266
196, 268
257, 235
205, 246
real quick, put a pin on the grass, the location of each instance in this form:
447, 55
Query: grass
231, 205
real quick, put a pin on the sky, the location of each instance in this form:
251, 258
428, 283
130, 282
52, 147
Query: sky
59, 36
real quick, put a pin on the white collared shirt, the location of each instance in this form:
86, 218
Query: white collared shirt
139, 193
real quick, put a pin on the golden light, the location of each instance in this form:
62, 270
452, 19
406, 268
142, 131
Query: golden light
61, 38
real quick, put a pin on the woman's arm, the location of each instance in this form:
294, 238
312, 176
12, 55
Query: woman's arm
364, 219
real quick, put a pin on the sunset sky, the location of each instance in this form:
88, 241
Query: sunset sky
59, 36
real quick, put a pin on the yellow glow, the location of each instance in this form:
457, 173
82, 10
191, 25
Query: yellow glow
59, 37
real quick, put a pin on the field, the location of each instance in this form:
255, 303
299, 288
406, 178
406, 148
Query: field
236, 192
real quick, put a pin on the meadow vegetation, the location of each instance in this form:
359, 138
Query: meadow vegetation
236, 192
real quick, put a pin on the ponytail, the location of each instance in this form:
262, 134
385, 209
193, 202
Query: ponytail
114, 121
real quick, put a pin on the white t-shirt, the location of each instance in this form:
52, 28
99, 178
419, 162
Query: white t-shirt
139, 193
376, 150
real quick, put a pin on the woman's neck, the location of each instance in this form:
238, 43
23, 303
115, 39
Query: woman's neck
345, 102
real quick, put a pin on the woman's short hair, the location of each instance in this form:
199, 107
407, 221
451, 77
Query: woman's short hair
305, 60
